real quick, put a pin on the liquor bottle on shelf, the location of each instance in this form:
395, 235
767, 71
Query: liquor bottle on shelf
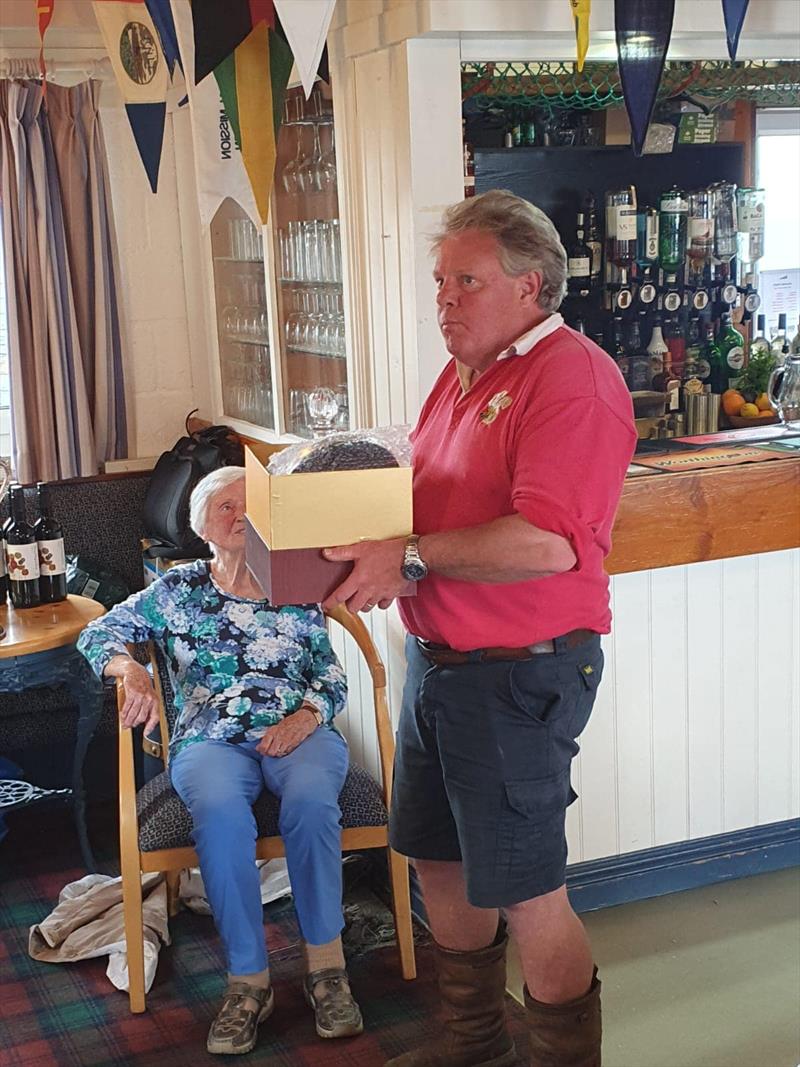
750, 229
621, 229
700, 233
673, 210
676, 343
517, 130
592, 238
3, 574
639, 376
618, 351
22, 555
696, 366
751, 301
469, 163
725, 225
779, 339
50, 543
760, 343
647, 239
731, 346
658, 351
718, 367
579, 262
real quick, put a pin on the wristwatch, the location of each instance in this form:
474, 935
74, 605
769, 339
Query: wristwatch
414, 567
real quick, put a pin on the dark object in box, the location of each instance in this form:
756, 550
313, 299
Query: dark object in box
296, 575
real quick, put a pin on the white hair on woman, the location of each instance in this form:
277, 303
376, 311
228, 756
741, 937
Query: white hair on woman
205, 490
527, 239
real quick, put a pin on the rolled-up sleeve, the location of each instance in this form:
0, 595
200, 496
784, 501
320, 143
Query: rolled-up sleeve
568, 467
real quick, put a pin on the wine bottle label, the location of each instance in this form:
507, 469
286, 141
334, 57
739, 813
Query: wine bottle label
674, 205
2, 558
597, 257
22, 562
651, 237
579, 267
735, 358
626, 224
51, 558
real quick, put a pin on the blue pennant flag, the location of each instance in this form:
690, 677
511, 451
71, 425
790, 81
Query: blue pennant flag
147, 124
161, 14
734, 12
643, 29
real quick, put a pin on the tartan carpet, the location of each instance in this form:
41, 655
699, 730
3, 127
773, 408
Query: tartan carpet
69, 1015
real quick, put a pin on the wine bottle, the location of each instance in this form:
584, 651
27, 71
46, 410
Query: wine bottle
776, 347
718, 375
592, 238
22, 555
621, 227
50, 542
579, 262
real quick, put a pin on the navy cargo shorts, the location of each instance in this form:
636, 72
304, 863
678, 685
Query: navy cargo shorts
482, 767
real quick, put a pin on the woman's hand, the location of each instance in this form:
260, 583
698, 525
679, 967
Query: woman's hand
141, 702
286, 735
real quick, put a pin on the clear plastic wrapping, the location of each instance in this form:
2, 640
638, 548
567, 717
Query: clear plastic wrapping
387, 446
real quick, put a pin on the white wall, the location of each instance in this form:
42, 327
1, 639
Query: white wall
164, 335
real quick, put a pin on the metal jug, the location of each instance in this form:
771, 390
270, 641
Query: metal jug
784, 392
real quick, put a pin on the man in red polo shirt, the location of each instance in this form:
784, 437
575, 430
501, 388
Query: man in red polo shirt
519, 456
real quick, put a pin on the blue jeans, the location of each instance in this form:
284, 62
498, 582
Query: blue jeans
219, 782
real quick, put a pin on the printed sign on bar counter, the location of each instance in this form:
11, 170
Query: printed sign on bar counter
712, 457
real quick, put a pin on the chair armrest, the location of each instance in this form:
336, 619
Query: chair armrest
128, 819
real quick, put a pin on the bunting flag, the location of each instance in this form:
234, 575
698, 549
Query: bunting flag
252, 85
161, 14
219, 28
734, 12
581, 10
306, 23
141, 72
219, 166
643, 29
44, 14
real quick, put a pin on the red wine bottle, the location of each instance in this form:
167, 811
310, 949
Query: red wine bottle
50, 542
22, 555
3, 572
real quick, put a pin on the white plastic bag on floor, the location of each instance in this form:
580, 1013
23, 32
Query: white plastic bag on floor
88, 922
274, 877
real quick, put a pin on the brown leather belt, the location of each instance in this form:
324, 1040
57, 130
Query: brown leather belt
443, 656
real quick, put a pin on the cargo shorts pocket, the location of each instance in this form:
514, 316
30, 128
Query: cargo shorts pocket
532, 821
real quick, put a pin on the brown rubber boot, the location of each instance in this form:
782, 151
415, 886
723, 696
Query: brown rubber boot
472, 987
566, 1035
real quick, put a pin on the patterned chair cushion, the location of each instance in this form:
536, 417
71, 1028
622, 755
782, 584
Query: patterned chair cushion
164, 822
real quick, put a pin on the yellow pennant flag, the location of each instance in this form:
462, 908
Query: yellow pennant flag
581, 9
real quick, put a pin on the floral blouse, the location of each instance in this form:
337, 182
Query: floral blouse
237, 666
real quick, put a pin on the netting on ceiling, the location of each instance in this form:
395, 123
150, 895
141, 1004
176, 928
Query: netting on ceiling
768, 83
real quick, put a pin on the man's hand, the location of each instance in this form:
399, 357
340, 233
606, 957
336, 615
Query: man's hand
375, 580
141, 702
286, 735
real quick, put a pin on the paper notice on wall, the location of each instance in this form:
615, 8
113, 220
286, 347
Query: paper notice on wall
780, 295
220, 167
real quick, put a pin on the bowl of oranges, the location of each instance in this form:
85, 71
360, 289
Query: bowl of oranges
743, 412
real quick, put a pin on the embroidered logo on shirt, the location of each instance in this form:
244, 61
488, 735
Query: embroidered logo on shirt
498, 402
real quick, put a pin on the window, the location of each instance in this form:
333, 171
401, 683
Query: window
777, 167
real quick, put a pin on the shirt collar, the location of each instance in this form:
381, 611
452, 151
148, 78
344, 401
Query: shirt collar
521, 347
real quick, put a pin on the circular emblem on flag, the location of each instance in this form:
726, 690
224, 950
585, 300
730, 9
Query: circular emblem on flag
138, 52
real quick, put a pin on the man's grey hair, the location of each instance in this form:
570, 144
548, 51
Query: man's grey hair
205, 490
527, 239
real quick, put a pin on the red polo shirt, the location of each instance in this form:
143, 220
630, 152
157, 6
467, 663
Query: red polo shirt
547, 435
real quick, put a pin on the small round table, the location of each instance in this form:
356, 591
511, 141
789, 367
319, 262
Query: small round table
38, 650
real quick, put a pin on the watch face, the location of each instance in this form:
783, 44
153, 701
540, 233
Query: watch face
414, 571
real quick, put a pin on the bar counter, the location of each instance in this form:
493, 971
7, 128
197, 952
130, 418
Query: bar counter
667, 519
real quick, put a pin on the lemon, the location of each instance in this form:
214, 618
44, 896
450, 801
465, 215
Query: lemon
748, 411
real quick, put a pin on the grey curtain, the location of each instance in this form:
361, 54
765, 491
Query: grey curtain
67, 385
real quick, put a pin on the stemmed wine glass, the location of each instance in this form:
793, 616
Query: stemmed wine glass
309, 175
327, 166
291, 173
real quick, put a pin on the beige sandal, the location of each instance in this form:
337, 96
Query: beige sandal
235, 1029
335, 1011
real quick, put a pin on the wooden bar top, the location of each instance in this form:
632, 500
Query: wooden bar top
668, 519
48, 626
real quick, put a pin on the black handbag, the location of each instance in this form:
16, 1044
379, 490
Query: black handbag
165, 513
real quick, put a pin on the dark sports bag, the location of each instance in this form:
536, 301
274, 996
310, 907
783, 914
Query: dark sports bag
165, 513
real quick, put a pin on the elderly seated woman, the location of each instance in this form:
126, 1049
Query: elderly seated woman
257, 689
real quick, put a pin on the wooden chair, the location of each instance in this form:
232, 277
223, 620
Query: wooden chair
155, 826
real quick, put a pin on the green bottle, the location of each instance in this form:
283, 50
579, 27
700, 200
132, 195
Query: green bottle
673, 221
731, 345
718, 372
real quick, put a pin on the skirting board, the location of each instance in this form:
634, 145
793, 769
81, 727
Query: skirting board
655, 872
